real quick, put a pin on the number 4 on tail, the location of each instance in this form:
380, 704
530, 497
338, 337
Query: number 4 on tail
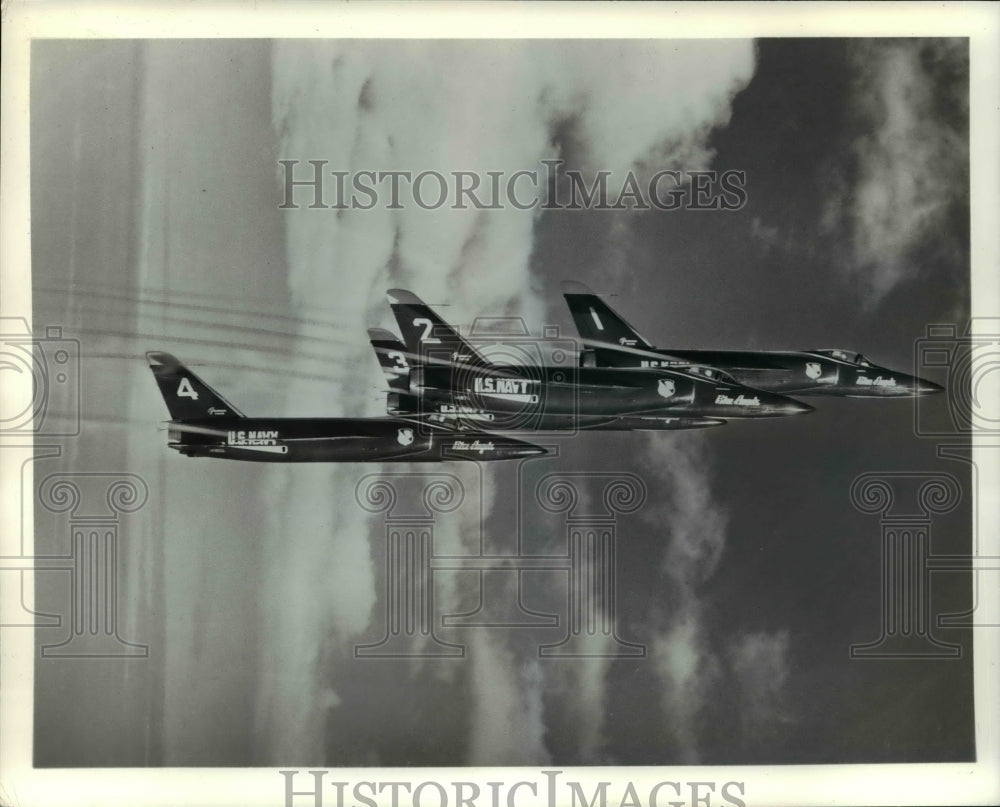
185, 390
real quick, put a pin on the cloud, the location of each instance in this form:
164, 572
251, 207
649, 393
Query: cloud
688, 673
699, 663
507, 726
317, 591
478, 107
911, 160
644, 102
695, 530
760, 666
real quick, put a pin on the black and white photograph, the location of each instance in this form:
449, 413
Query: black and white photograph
502, 416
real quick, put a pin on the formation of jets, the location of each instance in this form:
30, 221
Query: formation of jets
449, 401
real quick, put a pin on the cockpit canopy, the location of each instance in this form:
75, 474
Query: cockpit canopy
713, 373
846, 355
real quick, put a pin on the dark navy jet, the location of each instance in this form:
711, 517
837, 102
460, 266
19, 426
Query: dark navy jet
204, 424
448, 376
610, 341
397, 362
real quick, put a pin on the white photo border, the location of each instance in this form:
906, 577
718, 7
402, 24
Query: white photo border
951, 783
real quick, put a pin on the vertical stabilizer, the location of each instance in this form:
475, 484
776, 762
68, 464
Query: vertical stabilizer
596, 321
187, 396
429, 336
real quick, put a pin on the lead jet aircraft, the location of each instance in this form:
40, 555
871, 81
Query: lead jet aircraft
204, 424
451, 377
611, 342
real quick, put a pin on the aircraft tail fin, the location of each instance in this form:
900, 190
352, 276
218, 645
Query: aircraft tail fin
187, 396
403, 404
427, 335
596, 321
393, 358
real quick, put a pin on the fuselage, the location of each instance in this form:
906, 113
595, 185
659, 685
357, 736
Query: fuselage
466, 416
820, 372
338, 440
584, 393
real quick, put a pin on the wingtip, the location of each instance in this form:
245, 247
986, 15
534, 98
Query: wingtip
575, 287
403, 297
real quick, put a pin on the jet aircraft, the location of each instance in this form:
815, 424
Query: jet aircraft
205, 424
397, 362
611, 342
448, 376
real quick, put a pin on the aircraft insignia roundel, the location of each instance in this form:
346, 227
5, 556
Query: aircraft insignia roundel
666, 387
813, 369
405, 437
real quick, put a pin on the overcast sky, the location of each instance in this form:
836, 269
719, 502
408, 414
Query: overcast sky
747, 574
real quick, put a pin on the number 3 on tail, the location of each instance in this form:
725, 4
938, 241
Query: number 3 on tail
185, 390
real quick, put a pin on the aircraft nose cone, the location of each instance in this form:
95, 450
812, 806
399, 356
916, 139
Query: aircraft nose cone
782, 406
924, 387
798, 408
514, 451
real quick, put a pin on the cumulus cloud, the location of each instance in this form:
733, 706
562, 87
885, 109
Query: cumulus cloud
478, 107
911, 160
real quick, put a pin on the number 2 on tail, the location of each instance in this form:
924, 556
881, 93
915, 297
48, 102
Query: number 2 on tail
427, 325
